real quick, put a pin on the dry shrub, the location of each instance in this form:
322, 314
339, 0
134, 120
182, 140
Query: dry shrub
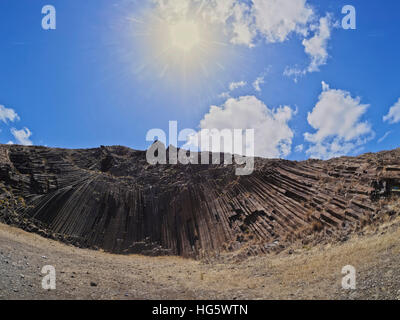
317, 226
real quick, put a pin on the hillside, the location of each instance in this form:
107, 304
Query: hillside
110, 198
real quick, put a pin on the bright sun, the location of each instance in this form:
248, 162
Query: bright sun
184, 46
185, 35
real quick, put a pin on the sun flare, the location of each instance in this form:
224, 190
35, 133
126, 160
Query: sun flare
185, 35
173, 45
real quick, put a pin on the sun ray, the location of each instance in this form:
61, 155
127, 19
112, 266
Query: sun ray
180, 51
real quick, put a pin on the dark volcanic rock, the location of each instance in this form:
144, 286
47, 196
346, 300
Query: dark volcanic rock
111, 198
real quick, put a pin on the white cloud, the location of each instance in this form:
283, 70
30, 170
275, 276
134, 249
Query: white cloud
384, 136
325, 86
277, 19
173, 9
22, 136
258, 82
8, 114
236, 85
394, 114
243, 29
336, 119
299, 148
273, 20
294, 72
316, 48
273, 136
217, 11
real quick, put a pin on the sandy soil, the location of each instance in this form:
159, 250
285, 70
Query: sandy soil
299, 273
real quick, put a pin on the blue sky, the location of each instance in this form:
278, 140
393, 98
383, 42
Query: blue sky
98, 79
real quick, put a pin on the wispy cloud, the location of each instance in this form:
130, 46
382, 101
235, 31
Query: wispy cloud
394, 114
276, 20
232, 87
258, 82
247, 23
22, 136
236, 85
299, 148
316, 48
384, 136
7, 114
244, 21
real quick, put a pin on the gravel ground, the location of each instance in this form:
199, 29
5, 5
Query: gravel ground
299, 273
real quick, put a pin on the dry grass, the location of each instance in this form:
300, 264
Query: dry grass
307, 273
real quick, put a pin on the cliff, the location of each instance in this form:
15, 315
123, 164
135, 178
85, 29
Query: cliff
111, 198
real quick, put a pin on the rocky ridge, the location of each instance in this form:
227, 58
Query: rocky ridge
110, 198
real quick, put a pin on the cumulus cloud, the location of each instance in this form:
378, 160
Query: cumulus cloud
242, 27
277, 19
22, 136
240, 84
273, 20
7, 114
216, 11
245, 22
232, 87
337, 121
394, 114
273, 136
316, 48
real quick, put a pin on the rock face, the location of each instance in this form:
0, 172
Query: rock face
111, 198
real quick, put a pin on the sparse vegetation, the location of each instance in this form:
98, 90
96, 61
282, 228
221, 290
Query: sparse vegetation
317, 226
301, 272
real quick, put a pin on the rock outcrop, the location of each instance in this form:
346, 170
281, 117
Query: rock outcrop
111, 198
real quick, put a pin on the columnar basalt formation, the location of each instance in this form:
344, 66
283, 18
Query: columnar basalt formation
111, 198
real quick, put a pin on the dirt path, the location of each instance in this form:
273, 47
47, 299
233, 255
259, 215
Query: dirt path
305, 274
